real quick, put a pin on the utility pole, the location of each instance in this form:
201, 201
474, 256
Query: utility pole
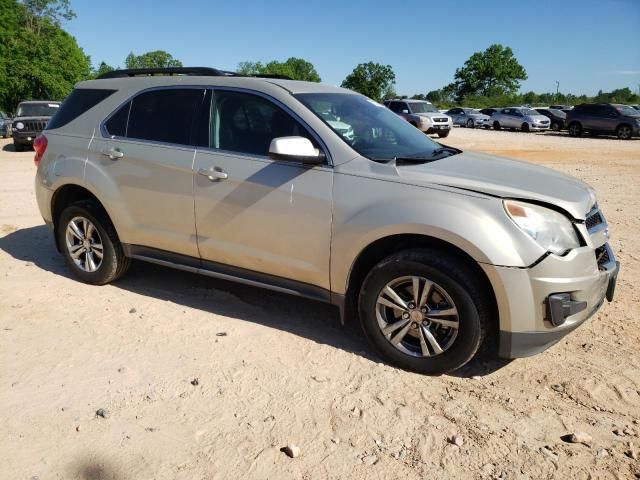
557, 90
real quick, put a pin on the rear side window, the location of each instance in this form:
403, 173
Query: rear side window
164, 115
117, 124
78, 102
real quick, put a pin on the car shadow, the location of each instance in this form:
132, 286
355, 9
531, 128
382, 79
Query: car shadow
9, 147
589, 135
306, 318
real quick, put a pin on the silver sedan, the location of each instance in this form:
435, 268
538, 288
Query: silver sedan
469, 117
521, 118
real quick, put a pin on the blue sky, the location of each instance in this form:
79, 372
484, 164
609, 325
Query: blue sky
584, 44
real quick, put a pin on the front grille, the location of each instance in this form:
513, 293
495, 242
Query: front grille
602, 257
440, 120
34, 125
593, 220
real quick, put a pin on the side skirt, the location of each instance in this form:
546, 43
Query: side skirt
234, 274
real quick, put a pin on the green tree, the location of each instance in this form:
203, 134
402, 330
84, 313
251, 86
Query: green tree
371, 79
53, 12
495, 71
102, 68
294, 68
155, 59
38, 60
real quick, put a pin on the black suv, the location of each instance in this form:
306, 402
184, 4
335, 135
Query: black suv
606, 118
31, 118
557, 117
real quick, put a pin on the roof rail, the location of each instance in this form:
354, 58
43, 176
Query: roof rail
138, 72
197, 71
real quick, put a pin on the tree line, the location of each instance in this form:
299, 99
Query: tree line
39, 60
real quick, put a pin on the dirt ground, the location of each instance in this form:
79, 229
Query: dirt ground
273, 370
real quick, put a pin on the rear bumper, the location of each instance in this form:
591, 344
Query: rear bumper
525, 295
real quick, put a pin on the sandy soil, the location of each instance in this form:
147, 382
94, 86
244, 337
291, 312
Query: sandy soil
273, 370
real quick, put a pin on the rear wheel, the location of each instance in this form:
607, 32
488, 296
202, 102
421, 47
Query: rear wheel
424, 311
525, 127
555, 126
90, 244
624, 132
496, 125
469, 123
575, 129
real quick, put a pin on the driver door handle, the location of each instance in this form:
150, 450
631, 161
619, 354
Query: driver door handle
213, 174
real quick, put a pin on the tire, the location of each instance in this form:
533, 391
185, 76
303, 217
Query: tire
470, 123
575, 129
455, 286
496, 125
555, 126
444, 134
624, 132
113, 263
525, 127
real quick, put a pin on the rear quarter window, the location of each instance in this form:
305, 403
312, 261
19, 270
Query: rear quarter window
78, 102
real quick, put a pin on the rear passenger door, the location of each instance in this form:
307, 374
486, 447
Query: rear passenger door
256, 217
144, 163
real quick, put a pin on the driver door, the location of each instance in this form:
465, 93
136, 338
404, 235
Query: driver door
256, 216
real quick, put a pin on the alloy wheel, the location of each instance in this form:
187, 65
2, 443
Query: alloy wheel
417, 316
84, 244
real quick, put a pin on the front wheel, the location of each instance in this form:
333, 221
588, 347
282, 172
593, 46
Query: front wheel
444, 134
423, 310
525, 127
624, 132
469, 123
555, 126
575, 129
90, 244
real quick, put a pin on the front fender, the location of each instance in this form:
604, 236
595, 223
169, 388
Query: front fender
369, 209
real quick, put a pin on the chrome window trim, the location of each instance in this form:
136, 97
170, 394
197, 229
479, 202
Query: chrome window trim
105, 133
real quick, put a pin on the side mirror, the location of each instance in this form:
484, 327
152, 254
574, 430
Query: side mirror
404, 110
295, 149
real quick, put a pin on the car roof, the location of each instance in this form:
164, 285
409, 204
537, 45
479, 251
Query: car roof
143, 82
39, 101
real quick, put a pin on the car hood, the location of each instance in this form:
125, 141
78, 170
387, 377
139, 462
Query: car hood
22, 119
504, 178
479, 115
431, 115
538, 117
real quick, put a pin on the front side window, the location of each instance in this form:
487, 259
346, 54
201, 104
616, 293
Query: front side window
374, 131
246, 123
164, 115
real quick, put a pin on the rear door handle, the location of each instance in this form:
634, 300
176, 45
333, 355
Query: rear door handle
213, 174
112, 153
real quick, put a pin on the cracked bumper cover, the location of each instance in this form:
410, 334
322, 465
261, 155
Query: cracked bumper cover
540, 305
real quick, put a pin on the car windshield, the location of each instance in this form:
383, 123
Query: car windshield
528, 111
558, 113
378, 133
37, 109
627, 110
329, 116
423, 107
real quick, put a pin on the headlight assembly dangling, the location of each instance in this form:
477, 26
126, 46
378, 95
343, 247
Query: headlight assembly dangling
552, 230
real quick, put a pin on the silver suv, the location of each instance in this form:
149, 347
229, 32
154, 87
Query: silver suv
423, 115
438, 252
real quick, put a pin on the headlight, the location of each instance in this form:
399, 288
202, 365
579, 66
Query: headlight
19, 125
425, 120
552, 230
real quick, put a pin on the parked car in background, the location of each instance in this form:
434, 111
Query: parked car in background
5, 125
604, 118
489, 111
557, 117
438, 251
30, 120
423, 115
635, 107
521, 118
468, 117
